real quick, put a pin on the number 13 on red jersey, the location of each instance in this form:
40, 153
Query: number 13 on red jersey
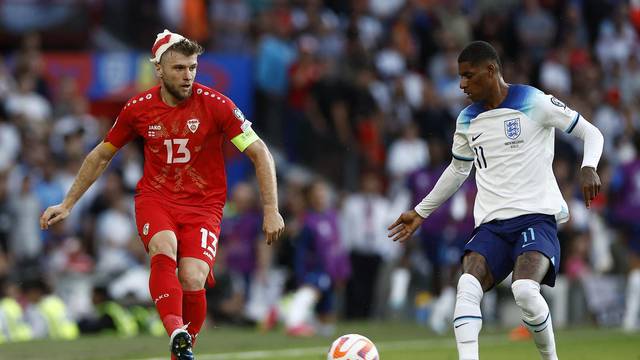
183, 155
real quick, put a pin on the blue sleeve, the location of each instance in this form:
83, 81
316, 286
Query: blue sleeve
302, 244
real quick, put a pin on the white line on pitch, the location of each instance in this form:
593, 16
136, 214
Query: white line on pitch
295, 352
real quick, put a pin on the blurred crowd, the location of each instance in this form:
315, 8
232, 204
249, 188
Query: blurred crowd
358, 101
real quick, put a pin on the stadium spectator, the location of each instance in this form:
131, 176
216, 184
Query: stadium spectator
76, 123
10, 142
46, 313
321, 266
362, 224
274, 56
115, 231
245, 256
616, 39
536, 29
109, 316
611, 118
626, 207
30, 108
26, 240
7, 82
13, 326
398, 163
46, 188
6, 215
555, 76
230, 20
301, 130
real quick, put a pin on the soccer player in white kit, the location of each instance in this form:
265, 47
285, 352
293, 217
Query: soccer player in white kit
508, 134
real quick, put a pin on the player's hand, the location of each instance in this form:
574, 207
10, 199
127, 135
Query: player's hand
272, 225
52, 215
590, 182
406, 225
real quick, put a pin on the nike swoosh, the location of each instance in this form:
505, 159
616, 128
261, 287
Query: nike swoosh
338, 353
525, 245
457, 326
473, 138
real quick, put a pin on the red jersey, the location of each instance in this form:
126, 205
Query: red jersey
183, 159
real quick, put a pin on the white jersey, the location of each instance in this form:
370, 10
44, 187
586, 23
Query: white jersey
512, 147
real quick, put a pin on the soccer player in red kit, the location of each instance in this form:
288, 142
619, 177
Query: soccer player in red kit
180, 197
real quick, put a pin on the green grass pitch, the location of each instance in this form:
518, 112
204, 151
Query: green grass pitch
395, 341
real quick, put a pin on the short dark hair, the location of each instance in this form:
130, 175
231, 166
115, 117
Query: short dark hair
478, 51
187, 47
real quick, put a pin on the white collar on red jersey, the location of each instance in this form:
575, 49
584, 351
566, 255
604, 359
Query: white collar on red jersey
164, 40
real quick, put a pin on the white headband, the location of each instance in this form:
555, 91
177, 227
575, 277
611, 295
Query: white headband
164, 40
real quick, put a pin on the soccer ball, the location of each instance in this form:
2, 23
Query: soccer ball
353, 347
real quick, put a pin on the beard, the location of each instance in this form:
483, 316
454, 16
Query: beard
176, 91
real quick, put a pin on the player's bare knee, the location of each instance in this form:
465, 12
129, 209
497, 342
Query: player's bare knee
164, 242
191, 279
531, 265
475, 264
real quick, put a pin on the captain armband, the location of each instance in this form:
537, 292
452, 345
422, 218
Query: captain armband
245, 138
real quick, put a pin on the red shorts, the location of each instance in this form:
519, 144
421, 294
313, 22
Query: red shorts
197, 230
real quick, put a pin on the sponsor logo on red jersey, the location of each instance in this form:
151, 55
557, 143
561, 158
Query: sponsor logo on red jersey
153, 130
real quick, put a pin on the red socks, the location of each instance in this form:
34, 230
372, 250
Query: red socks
175, 306
166, 291
194, 310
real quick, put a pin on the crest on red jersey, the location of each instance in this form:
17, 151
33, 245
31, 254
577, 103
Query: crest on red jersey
193, 124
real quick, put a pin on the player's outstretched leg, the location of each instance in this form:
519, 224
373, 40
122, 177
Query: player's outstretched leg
467, 318
536, 316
